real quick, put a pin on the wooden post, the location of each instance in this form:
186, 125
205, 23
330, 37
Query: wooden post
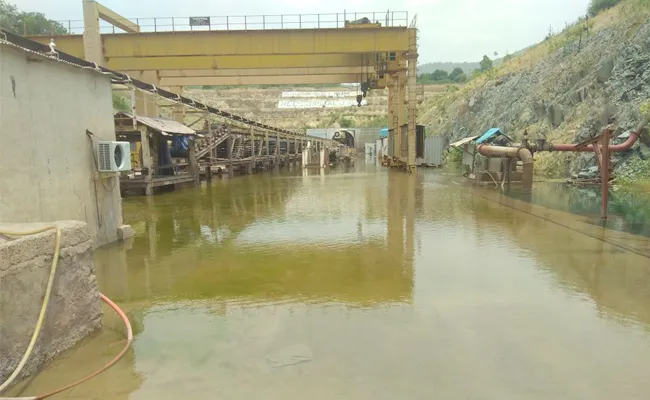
147, 161
266, 140
193, 163
277, 151
213, 151
252, 163
230, 143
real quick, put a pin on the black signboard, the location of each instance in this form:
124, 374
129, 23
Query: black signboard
199, 21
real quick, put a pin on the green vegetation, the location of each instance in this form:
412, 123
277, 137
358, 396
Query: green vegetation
27, 23
454, 156
571, 38
596, 6
486, 64
375, 122
636, 173
346, 122
441, 77
121, 103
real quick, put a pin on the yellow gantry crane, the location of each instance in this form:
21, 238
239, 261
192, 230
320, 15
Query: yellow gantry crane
378, 50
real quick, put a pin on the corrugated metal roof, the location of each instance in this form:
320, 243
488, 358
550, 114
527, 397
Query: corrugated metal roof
163, 125
461, 142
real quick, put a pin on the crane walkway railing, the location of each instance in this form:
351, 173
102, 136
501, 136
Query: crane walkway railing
239, 22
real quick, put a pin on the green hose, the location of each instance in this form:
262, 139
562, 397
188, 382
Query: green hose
46, 299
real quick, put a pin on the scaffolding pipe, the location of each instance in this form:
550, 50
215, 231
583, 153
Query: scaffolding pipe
520, 153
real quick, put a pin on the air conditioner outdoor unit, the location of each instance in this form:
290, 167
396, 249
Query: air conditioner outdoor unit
113, 156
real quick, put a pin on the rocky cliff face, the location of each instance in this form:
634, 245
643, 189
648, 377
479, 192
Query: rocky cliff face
565, 89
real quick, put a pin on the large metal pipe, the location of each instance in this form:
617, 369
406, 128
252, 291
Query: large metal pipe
602, 150
616, 148
520, 153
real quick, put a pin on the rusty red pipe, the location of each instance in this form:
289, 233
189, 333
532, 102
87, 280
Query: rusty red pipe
603, 149
522, 153
615, 148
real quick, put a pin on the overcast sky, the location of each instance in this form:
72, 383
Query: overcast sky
450, 30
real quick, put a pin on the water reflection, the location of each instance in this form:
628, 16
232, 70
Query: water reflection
628, 211
255, 239
610, 266
380, 284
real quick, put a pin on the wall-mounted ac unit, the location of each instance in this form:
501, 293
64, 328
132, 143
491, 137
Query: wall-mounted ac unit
113, 156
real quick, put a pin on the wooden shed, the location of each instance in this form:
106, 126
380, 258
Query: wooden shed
162, 152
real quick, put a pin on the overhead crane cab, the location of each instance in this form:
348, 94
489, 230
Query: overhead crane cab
362, 23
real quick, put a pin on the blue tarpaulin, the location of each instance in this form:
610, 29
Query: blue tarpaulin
383, 132
488, 134
180, 143
491, 135
180, 146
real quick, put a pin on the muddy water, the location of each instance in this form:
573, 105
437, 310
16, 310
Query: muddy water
365, 284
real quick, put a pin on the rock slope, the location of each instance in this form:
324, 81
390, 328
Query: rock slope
564, 89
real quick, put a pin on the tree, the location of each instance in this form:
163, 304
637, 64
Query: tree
596, 6
458, 75
439, 75
486, 63
29, 23
346, 122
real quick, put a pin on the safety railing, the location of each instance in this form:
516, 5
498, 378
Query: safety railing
243, 22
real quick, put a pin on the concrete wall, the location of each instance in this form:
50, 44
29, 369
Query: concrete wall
46, 160
75, 307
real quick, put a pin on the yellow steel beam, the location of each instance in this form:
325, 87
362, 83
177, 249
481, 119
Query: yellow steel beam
250, 43
71, 44
264, 72
74, 45
285, 42
258, 80
116, 19
236, 62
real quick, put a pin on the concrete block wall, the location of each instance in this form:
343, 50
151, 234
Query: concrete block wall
75, 306
46, 159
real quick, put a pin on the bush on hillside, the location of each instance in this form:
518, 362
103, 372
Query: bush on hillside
596, 6
346, 122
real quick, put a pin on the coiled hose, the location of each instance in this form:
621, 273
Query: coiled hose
41, 318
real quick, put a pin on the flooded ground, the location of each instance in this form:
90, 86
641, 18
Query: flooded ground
367, 284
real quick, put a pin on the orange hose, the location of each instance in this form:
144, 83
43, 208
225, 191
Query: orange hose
129, 340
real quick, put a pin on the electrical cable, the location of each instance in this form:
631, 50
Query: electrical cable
46, 299
41, 317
